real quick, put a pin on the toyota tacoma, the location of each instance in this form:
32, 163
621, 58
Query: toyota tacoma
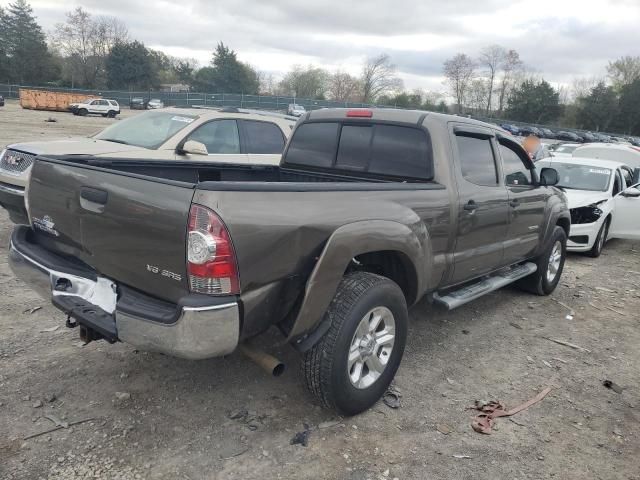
369, 211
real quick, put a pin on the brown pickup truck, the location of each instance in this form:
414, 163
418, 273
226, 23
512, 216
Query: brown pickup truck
369, 211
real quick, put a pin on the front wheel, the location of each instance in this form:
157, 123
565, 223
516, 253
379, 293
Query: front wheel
601, 239
550, 265
351, 367
83, 112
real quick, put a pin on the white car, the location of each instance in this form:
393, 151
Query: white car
229, 135
155, 103
627, 154
563, 149
99, 106
604, 199
296, 110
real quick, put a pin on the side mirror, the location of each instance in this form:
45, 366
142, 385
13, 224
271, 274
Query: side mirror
549, 177
631, 192
194, 148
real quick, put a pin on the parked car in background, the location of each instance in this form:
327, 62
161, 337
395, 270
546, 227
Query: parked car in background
604, 201
1, 101
635, 141
97, 106
588, 137
547, 133
623, 153
620, 140
296, 110
512, 129
169, 134
138, 103
155, 103
563, 149
570, 136
369, 211
530, 130
602, 137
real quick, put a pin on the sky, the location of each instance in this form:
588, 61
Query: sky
557, 39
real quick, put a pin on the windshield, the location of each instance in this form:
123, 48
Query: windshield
147, 130
582, 177
298, 107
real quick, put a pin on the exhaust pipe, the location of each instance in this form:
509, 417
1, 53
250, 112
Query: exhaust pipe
268, 363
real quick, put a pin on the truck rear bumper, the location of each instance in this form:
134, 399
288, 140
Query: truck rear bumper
197, 332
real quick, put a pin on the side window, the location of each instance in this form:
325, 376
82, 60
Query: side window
515, 171
477, 160
617, 183
314, 145
219, 136
94, 102
263, 137
627, 174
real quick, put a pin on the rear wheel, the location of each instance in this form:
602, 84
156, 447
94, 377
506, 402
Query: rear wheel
550, 265
601, 239
350, 368
111, 114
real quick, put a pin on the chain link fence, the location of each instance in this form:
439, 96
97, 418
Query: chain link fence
189, 99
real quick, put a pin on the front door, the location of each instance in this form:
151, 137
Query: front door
222, 139
626, 214
526, 203
482, 205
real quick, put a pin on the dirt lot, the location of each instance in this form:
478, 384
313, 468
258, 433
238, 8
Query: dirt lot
156, 417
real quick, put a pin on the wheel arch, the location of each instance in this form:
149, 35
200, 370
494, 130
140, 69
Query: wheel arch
403, 253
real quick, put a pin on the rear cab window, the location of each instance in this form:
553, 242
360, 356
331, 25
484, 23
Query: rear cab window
364, 149
262, 137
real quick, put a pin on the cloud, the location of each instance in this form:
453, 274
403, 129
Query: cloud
558, 40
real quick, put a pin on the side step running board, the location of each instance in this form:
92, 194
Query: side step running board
466, 294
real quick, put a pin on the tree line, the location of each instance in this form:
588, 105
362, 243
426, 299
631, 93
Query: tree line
497, 83
97, 52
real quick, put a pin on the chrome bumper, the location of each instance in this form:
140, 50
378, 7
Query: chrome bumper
199, 332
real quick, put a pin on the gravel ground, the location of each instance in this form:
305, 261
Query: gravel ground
145, 415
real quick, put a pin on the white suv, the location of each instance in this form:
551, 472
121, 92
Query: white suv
99, 106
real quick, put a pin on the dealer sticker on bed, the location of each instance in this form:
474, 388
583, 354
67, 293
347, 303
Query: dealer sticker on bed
599, 170
182, 119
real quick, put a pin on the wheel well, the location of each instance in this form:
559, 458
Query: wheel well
565, 223
392, 264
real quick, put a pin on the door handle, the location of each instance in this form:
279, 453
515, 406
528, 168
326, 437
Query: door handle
471, 206
94, 195
514, 203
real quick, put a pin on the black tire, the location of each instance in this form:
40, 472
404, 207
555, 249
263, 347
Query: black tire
601, 239
538, 282
105, 115
111, 114
83, 112
325, 365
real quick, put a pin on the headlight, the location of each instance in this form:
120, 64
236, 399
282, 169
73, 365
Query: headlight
588, 214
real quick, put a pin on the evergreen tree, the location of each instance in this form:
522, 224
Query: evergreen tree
25, 59
597, 110
534, 102
131, 66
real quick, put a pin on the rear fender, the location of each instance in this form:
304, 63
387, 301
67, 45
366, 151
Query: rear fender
348, 242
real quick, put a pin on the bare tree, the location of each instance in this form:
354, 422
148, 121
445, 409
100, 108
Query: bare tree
460, 71
511, 65
309, 82
479, 89
343, 87
378, 78
491, 58
86, 41
268, 84
581, 86
624, 71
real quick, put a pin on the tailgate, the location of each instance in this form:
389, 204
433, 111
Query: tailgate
130, 229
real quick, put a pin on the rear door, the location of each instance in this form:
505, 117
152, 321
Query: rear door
482, 204
626, 214
526, 203
263, 141
129, 229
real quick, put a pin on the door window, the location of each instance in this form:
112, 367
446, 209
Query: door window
263, 137
219, 136
627, 174
477, 160
515, 171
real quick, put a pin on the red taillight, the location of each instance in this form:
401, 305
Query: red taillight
360, 113
211, 261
